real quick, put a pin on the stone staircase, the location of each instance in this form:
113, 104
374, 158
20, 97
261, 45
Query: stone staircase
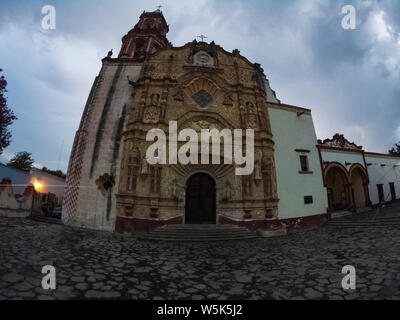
366, 220
340, 214
197, 232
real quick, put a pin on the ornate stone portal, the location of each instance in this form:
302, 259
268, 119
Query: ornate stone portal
200, 86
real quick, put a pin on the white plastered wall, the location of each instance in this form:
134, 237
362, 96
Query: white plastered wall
342, 157
384, 175
291, 132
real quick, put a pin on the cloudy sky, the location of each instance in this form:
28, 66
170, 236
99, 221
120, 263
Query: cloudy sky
349, 78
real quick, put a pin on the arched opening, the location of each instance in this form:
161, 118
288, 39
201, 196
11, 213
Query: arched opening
337, 186
359, 184
200, 204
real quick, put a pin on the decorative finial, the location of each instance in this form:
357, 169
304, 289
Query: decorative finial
110, 53
202, 37
159, 7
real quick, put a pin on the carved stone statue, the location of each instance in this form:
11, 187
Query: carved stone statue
176, 190
236, 52
155, 99
228, 191
250, 107
179, 95
144, 170
257, 171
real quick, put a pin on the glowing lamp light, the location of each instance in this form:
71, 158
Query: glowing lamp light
37, 185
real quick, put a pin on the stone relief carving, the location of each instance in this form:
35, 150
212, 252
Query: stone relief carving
262, 118
269, 176
227, 192
152, 112
155, 99
144, 169
251, 116
339, 141
257, 172
153, 108
178, 95
247, 186
176, 190
228, 100
203, 124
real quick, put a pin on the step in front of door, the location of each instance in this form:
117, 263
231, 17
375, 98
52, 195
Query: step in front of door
191, 233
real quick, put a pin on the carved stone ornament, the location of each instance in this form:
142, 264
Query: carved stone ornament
151, 114
249, 116
105, 182
203, 124
228, 100
176, 190
269, 176
228, 192
251, 120
179, 95
257, 171
340, 142
144, 169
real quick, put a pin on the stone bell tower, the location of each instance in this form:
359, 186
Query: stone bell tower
94, 164
147, 37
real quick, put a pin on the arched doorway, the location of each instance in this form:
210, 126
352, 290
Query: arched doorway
359, 184
200, 204
337, 183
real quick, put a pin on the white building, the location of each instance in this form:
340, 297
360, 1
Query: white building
355, 179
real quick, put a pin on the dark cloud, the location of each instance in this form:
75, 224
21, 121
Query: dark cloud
349, 78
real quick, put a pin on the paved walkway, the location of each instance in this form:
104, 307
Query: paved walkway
303, 265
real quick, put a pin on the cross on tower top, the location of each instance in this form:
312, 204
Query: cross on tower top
202, 37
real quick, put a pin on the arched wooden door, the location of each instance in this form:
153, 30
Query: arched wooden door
200, 205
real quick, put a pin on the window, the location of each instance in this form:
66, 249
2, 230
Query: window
308, 199
304, 164
202, 98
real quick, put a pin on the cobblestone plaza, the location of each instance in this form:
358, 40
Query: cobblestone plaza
302, 265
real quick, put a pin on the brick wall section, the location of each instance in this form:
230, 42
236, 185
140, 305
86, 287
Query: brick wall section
95, 148
76, 158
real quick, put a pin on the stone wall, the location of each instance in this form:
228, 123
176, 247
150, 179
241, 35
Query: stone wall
14, 206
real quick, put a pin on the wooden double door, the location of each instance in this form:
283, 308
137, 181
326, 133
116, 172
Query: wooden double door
200, 204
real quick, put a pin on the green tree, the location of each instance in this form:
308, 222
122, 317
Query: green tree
57, 173
395, 151
6, 116
22, 160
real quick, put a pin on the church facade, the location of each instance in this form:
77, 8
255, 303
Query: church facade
150, 85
